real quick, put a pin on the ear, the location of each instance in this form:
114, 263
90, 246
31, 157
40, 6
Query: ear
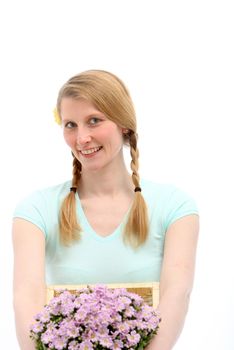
125, 131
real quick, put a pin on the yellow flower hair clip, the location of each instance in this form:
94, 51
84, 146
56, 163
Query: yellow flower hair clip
57, 117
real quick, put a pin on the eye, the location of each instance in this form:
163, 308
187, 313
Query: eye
70, 125
94, 120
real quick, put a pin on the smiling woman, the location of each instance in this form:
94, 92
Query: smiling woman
101, 94
105, 225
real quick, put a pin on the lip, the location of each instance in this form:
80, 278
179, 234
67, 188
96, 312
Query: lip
90, 155
87, 149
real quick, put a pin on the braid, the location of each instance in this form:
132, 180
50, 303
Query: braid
68, 225
76, 172
135, 156
137, 226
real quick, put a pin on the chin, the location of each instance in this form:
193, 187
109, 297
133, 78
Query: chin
96, 167
92, 168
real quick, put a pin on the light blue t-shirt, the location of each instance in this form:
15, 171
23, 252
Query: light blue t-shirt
96, 259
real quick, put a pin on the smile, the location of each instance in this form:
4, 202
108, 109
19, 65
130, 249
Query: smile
91, 150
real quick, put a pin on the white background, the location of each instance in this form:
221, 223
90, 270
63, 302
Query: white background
176, 57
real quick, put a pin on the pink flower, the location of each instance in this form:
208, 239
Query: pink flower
86, 345
37, 327
133, 338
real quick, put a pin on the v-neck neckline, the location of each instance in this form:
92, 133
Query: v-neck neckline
87, 227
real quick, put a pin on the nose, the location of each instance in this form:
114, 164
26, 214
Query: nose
83, 137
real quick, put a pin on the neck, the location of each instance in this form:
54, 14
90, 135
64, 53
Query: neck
106, 182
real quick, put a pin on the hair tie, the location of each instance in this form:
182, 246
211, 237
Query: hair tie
137, 189
73, 189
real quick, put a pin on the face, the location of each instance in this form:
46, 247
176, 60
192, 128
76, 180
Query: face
95, 140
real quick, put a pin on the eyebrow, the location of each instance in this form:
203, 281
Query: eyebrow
86, 117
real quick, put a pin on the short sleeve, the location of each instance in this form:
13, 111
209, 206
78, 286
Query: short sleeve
179, 204
33, 209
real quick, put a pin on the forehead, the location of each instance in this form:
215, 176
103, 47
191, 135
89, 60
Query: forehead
71, 107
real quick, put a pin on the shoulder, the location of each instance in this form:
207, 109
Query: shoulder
169, 200
47, 193
41, 207
155, 190
165, 191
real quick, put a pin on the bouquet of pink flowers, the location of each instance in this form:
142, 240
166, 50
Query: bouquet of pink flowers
95, 318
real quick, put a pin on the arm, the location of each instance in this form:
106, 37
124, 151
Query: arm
29, 277
176, 280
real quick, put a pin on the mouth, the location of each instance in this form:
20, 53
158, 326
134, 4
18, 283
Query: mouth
90, 151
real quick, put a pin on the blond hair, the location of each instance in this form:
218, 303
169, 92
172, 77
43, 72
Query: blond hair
109, 95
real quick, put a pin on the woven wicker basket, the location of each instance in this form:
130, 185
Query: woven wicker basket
148, 291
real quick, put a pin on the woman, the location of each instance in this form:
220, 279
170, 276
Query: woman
106, 225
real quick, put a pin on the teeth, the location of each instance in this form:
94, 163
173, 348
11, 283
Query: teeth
92, 150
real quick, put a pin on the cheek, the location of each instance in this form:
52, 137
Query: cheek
111, 133
69, 139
